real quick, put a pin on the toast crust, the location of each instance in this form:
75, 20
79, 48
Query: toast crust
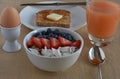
65, 21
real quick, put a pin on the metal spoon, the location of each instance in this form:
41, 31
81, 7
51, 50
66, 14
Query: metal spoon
97, 56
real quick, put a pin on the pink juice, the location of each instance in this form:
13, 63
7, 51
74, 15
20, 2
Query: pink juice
102, 18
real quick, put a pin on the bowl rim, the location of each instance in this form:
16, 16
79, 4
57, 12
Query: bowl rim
44, 28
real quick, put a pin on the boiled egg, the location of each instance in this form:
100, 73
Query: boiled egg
9, 17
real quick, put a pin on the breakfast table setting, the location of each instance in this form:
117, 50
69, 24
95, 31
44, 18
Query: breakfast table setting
18, 65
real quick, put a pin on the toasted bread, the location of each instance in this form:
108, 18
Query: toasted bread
65, 21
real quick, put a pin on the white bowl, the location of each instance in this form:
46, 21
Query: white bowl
53, 64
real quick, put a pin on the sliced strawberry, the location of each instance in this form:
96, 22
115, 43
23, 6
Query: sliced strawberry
37, 42
64, 42
77, 43
29, 43
54, 43
45, 42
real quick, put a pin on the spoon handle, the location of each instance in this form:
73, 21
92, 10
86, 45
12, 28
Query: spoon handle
99, 72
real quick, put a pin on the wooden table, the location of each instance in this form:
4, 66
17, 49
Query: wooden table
17, 66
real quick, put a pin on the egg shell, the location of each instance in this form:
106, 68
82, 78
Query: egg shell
9, 17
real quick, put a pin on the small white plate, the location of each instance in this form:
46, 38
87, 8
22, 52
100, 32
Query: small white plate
28, 14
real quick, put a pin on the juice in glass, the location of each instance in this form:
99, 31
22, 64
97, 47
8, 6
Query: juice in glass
102, 18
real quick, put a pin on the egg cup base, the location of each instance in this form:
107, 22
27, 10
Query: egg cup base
11, 46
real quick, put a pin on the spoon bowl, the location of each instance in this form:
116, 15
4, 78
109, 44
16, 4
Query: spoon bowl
96, 55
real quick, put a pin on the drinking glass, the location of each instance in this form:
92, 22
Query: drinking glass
102, 19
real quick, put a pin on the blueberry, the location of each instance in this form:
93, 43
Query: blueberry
59, 34
68, 36
63, 35
53, 35
36, 34
73, 40
43, 32
45, 36
49, 30
56, 31
40, 35
56, 36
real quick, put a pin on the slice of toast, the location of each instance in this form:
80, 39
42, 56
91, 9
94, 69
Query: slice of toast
42, 20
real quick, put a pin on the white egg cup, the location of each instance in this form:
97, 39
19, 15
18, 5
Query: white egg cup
11, 34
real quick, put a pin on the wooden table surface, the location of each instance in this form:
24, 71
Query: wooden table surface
17, 65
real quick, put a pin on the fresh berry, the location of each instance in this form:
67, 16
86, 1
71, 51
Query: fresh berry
68, 36
37, 42
40, 35
44, 32
45, 36
45, 42
63, 34
64, 42
56, 31
29, 43
36, 34
53, 35
54, 43
49, 31
77, 43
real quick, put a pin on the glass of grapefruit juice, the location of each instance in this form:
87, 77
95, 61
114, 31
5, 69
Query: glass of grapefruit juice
102, 20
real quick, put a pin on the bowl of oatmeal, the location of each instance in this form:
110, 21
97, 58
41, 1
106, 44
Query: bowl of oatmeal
53, 48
